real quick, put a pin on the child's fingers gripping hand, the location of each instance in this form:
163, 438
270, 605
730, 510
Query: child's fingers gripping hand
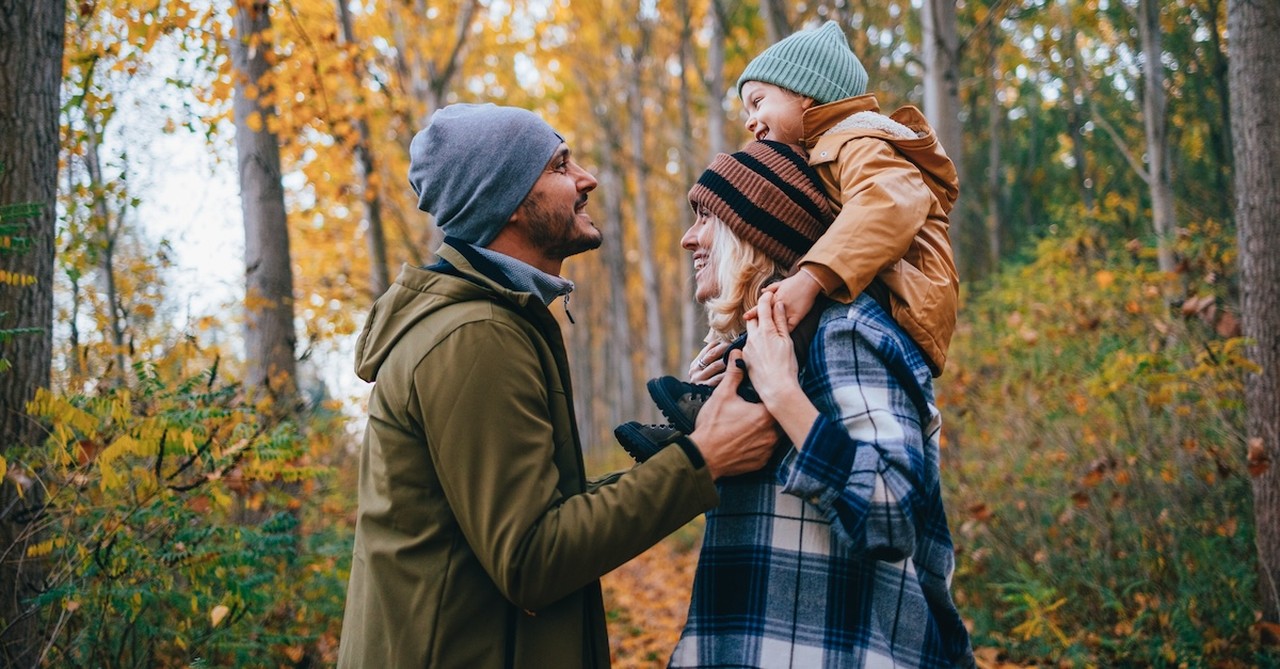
797, 293
708, 366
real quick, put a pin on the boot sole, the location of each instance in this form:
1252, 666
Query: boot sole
635, 443
669, 405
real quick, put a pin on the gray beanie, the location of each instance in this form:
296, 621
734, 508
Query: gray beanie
817, 64
474, 164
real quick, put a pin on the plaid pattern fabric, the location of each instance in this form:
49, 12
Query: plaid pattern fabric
837, 555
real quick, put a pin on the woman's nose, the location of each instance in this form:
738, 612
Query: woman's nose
690, 240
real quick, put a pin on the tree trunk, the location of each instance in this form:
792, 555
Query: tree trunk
654, 351
715, 80
379, 278
941, 51
1154, 121
995, 112
31, 43
620, 374
1255, 110
1077, 115
104, 236
689, 311
269, 333
776, 24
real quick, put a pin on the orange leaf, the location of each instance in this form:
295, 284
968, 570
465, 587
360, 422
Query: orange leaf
1270, 633
1228, 325
1080, 498
1259, 459
980, 511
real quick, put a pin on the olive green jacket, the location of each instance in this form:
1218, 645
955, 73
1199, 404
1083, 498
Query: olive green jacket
479, 542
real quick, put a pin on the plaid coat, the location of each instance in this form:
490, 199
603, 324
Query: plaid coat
837, 554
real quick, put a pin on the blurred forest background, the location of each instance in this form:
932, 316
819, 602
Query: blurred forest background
178, 484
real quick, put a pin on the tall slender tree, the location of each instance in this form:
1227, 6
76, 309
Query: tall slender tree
269, 331
1156, 126
31, 45
371, 199
941, 51
1255, 106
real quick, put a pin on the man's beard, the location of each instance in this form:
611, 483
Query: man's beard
556, 233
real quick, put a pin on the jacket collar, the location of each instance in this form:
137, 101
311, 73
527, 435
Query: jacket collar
477, 269
817, 120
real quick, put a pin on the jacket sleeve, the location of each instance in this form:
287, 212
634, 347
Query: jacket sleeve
492, 440
884, 203
862, 463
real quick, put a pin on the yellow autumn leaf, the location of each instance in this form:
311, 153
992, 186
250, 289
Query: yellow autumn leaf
218, 613
4, 467
254, 121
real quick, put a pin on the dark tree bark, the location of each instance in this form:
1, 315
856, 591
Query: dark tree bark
1255, 129
31, 43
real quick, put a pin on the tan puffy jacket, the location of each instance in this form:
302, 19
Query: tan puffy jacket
893, 187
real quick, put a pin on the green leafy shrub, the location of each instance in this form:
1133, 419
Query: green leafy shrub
183, 528
1095, 463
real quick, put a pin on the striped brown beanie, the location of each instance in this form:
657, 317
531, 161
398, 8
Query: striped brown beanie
769, 196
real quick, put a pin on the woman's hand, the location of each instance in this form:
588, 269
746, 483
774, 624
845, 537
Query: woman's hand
771, 363
708, 366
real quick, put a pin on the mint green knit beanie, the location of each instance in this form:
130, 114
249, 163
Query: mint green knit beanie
814, 63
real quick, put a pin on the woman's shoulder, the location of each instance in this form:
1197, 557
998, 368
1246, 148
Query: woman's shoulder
864, 322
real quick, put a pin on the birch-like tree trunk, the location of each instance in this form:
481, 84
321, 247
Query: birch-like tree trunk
654, 351
104, 237
716, 19
1156, 126
776, 23
1077, 116
995, 168
941, 51
690, 322
269, 333
620, 376
31, 44
1255, 128
370, 198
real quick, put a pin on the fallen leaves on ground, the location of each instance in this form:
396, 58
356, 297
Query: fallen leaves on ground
648, 600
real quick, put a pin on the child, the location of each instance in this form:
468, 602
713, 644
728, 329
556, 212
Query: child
887, 177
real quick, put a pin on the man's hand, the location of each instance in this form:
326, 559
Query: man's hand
735, 436
797, 293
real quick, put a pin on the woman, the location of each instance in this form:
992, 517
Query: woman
837, 554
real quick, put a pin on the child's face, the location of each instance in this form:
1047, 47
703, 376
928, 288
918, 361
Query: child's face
774, 112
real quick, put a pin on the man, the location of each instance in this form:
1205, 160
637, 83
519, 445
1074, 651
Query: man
479, 542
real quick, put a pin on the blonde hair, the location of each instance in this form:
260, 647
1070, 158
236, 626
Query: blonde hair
741, 271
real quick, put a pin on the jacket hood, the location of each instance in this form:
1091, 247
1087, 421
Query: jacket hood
906, 129
416, 294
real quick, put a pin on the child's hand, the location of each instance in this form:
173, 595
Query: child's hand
797, 293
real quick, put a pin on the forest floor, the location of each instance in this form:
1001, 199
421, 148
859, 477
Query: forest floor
647, 600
